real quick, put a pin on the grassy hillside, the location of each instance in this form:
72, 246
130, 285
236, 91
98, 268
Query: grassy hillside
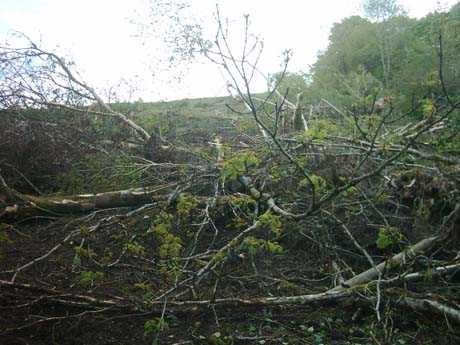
201, 115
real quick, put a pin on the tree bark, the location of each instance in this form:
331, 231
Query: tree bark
65, 205
395, 261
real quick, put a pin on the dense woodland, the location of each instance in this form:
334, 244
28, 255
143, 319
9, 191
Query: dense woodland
323, 211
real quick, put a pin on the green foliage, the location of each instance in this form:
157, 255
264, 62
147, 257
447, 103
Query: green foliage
107, 256
243, 202
288, 287
239, 164
238, 223
155, 325
271, 222
319, 183
89, 278
83, 252
382, 9
279, 173
143, 286
350, 192
388, 237
394, 56
352, 43
319, 129
84, 230
244, 206
255, 245
170, 245
135, 248
186, 204
428, 276
428, 108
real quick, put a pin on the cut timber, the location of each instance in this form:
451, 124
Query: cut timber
32, 205
425, 304
120, 302
395, 261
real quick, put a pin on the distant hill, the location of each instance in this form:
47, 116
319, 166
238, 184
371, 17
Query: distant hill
202, 117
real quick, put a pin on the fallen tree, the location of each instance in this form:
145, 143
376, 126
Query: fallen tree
280, 222
29, 205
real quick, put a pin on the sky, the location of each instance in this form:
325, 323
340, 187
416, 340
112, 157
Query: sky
105, 39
